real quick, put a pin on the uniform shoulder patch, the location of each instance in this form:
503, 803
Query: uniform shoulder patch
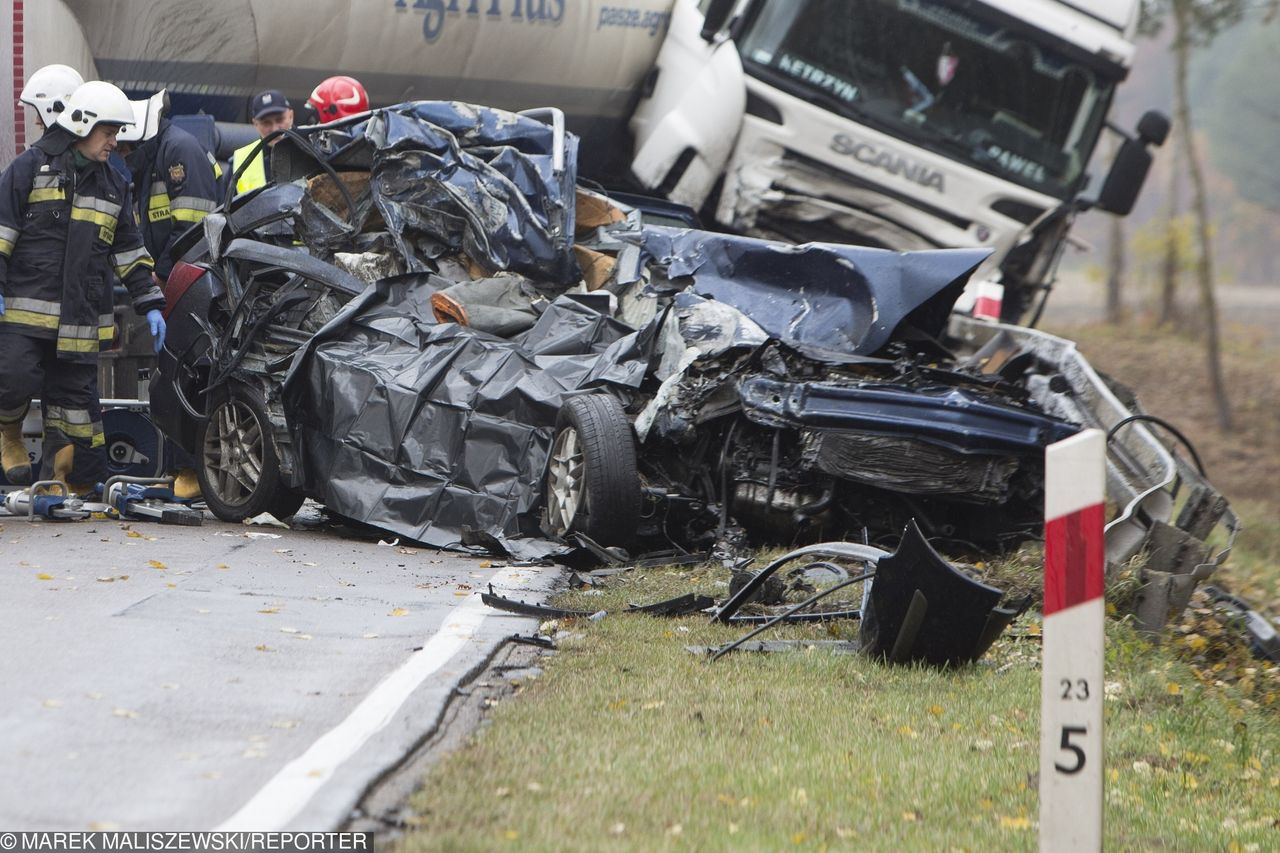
177, 173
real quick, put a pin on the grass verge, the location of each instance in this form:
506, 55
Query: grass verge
628, 741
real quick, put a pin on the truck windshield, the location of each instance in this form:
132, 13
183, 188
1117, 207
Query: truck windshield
972, 88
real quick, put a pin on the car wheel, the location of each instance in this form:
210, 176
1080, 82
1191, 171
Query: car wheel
592, 486
238, 469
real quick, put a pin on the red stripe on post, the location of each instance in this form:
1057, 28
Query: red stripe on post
19, 116
1074, 559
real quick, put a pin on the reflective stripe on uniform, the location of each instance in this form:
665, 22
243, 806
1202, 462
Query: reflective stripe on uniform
46, 188
189, 208
125, 262
76, 423
8, 236
99, 211
77, 338
24, 311
157, 201
106, 327
10, 416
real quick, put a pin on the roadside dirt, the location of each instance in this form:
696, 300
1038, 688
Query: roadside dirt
1170, 375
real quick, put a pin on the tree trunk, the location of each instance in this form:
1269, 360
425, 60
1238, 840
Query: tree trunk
1169, 270
1115, 263
1204, 265
1115, 272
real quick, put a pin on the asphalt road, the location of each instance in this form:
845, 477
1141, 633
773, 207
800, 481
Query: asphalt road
158, 677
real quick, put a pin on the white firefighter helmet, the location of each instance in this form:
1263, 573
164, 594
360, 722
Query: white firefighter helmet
96, 102
48, 89
146, 118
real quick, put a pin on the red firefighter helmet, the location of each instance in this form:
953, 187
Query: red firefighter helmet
338, 97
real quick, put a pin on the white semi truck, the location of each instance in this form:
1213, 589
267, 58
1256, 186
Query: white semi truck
904, 124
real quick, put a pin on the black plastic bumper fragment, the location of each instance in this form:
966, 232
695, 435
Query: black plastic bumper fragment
923, 609
682, 605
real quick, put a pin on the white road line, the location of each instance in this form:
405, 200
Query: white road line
287, 794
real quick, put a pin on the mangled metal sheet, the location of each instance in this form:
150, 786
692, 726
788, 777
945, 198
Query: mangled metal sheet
818, 296
446, 177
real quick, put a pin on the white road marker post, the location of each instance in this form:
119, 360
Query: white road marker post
1071, 686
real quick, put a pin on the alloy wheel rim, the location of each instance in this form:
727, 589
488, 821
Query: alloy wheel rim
565, 481
233, 452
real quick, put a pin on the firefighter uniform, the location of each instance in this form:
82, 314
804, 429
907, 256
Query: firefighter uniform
64, 232
176, 182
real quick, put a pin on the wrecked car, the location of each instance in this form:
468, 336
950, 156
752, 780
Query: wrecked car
428, 327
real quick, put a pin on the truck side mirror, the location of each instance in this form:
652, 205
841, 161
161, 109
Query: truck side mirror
717, 15
1129, 171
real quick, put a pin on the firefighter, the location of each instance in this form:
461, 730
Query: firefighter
271, 111
66, 227
47, 90
338, 97
174, 178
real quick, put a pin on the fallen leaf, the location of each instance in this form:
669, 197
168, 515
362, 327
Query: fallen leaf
399, 611
912, 816
222, 567
652, 706
1174, 688
124, 712
156, 564
44, 576
936, 710
269, 610
511, 835
799, 838
1007, 822
262, 647
133, 534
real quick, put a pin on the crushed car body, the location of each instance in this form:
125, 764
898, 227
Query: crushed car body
429, 328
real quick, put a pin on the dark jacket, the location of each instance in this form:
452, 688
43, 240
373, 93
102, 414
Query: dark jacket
64, 235
176, 187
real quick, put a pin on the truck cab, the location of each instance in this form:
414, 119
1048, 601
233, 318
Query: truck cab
902, 124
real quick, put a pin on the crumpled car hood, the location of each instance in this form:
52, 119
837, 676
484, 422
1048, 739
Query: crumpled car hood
818, 296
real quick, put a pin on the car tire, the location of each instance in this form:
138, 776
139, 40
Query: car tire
237, 465
592, 486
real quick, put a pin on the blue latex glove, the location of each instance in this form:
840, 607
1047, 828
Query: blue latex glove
156, 319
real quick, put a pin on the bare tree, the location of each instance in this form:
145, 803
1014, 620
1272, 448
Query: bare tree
1115, 272
1196, 23
1171, 268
